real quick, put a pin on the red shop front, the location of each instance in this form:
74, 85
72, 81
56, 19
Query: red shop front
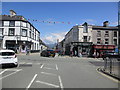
97, 50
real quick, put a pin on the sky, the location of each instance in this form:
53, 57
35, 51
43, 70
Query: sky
55, 19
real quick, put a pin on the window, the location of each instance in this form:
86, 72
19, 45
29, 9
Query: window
1, 31
115, 33
84, 38
30, 34
11, 31
98, 33
85, 28
98, 40
106, 41
24, 32
12, 23
106, 34
115, 41
1, 23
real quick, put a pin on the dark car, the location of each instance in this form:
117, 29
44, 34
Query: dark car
48, 53
109, 54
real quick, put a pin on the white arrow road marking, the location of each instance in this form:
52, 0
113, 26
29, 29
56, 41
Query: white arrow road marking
49, 68
61, 85
56, 67
49, 73
11, 74
49, 84
31, 81
3, 71
42, 66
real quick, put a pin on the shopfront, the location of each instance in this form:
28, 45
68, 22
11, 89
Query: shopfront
97, 50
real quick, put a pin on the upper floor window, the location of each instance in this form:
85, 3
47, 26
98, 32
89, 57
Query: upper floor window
98, 40
12, 23
98, 33
30, 34
106, 41
11, 32
1, 31
106, 34
85, 28
84, 38
24, 32
115, 33
115, 41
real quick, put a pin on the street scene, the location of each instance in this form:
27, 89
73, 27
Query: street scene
58, 72
60, 45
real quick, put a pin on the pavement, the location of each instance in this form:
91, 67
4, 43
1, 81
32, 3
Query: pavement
59, 72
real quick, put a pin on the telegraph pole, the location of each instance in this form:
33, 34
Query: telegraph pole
119, 27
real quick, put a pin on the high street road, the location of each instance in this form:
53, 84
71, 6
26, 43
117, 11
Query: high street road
59, 72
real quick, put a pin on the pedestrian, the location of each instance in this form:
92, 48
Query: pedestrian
80, 54
27, 51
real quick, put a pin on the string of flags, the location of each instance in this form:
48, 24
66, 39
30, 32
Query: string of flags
34, 20
52, 22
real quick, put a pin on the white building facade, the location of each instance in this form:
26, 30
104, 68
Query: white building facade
18, 34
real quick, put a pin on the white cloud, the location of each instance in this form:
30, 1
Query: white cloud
52, 37
114, 23
89, 21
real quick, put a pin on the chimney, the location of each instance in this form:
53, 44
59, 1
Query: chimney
105, 24
12, 13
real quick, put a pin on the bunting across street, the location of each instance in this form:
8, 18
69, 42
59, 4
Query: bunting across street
53, 22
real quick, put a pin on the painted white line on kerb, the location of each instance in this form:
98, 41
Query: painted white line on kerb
49, 73
32, 81
61, 85
56, 67
42, 66
49, 84
3, 71
10, 74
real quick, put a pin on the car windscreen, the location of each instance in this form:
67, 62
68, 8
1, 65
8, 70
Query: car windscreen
7, 53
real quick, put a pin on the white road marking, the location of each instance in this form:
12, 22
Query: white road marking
49, 68
56, 67
21, 62
10, 74
3, 71
28, 63
42, 66
49, 84
13, 69
61, 85
49, 73
32, 81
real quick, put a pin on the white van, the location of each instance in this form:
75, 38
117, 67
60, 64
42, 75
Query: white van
8, 57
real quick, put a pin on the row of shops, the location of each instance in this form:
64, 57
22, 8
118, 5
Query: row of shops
87, 49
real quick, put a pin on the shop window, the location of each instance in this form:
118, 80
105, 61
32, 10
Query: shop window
11, 32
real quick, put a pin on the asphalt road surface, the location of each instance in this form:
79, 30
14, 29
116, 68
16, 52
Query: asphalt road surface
59, 72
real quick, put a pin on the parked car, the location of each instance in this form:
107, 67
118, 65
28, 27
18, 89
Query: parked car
48, 53
108, 54
8, 58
